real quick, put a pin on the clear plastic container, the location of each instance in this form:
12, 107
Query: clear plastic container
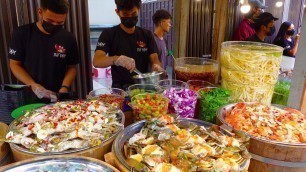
171, 83
148, 106
195, 68
250, 70
109, 95
136, 89
196, 85
182, 102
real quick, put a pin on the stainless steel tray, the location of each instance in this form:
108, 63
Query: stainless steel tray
128, 132
59, 164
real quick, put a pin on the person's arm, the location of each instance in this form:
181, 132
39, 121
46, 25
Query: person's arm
154, 60
293, 51
69, 78
156, 65
22, 75
17, 56
101, 60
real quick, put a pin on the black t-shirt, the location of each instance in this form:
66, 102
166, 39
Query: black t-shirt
287, 45
254, 38
45, 57
139, 46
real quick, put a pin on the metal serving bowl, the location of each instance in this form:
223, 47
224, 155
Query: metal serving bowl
148, 78
128, 132
19, 149
221, 114
60, 163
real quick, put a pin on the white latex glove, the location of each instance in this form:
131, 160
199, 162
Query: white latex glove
126, 62
41, 92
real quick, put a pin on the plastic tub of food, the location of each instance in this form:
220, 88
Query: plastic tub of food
136, 89
109, 95
148, 105
196, 85
250, 70
182, 101
210, 100
281, 92
194, 68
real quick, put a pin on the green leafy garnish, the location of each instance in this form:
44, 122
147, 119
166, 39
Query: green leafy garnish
211, 101
281, 93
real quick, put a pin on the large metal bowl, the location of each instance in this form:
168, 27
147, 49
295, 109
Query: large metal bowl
21, 153
148, 78
221, 114
59, 162
128, 132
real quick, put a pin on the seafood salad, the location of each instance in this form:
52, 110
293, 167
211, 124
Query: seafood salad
65, 125
268, 122
167, 145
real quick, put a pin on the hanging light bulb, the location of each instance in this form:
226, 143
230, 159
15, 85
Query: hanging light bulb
245, 9
278, 4
245, 6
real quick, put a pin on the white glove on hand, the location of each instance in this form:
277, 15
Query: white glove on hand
41, 92
126, 62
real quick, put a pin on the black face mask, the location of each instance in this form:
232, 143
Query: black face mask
290, 32
272, 31
51, 28
129, 22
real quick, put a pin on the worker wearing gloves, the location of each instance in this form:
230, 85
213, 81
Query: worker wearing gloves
43, 54
126, 46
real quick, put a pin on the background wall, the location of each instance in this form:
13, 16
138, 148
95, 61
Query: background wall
102, 12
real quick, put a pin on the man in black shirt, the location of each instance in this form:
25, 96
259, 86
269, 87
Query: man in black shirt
126, 46
43, 54
264, 26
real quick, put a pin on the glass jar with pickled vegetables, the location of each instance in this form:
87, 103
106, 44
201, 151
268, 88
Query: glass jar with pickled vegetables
250, 70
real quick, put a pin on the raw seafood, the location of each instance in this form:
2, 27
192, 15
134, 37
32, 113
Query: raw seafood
164, 144
65, 125
268, 122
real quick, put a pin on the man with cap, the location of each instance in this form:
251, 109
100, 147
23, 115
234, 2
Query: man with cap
264, 26
245, 29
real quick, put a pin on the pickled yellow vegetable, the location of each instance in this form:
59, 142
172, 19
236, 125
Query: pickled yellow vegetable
250, 70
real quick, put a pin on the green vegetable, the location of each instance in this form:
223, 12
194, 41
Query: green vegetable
211, 101
137, 91
281, 93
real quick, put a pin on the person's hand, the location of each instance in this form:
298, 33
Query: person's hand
158, 68
126, 62
63, 90
297, 37
41, 92
36, 86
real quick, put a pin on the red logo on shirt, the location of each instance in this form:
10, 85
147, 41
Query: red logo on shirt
60, 49
141, 44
